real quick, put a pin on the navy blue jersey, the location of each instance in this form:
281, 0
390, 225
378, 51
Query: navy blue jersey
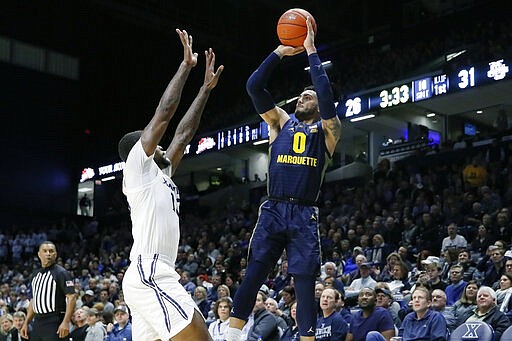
298, 159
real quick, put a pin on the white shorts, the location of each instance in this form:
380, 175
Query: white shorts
160, 306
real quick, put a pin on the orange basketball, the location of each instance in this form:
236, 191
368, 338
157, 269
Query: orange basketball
292, 28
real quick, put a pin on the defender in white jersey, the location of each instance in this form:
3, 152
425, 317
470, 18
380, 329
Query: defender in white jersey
161, 308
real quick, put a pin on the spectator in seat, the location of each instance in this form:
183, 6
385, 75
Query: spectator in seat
331, 270
292, 332
492, 265
503, 294
364, 282
264, 326
282, 320
380, 250
330, 325
384, 299
287, 298
218, 329
423, 323
434, 276
400, 283
122, 329
201, 300
453, 240
96, 331
456, 288
468, 267
385, 275
482, 240
80, 326
439, 304
487, 311
466, 304
474, 174
370, 319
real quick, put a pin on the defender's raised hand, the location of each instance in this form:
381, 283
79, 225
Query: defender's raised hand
211, 77
189, 57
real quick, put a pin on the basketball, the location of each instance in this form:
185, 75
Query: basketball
292, 28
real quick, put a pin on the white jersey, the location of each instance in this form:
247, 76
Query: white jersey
218, 330
154, 204
457, 242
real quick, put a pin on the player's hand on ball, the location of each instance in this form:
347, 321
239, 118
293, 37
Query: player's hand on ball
285, 50
309, 42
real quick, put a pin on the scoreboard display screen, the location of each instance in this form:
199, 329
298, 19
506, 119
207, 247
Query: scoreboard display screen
423, 88
229, 137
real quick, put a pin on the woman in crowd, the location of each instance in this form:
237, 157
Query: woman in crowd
482, 240
504, 292
422, 255
223, 291
292, 333
231, 283
386, 274
466, 304
201, 300
399, 285
6, 327
218, 329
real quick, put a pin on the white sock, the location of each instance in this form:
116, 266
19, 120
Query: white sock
234, 334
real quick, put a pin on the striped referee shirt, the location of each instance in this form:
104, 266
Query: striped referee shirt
48, 289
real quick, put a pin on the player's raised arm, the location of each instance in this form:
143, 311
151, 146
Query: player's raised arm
261, 97
190, 122
330, 121
170, 99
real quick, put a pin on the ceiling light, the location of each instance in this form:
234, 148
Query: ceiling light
327, 62
432, 114
260, 142
451, 56
289, 100
360, 118
479, 111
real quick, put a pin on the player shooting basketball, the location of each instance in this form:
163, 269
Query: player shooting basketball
299, 153
161, 308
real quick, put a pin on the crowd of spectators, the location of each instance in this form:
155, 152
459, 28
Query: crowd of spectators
415, 223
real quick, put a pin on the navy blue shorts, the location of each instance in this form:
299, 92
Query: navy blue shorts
289, 226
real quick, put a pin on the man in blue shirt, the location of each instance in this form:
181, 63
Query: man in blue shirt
454, 290
122, 329
330, 325
423, 323
370, 318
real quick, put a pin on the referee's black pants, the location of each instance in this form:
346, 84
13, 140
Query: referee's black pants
44, 328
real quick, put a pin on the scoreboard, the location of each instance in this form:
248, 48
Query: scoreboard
425, 87
229, 137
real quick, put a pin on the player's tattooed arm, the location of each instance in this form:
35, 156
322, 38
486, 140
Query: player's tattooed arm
332, 128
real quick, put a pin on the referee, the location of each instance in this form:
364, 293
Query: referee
52, 300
